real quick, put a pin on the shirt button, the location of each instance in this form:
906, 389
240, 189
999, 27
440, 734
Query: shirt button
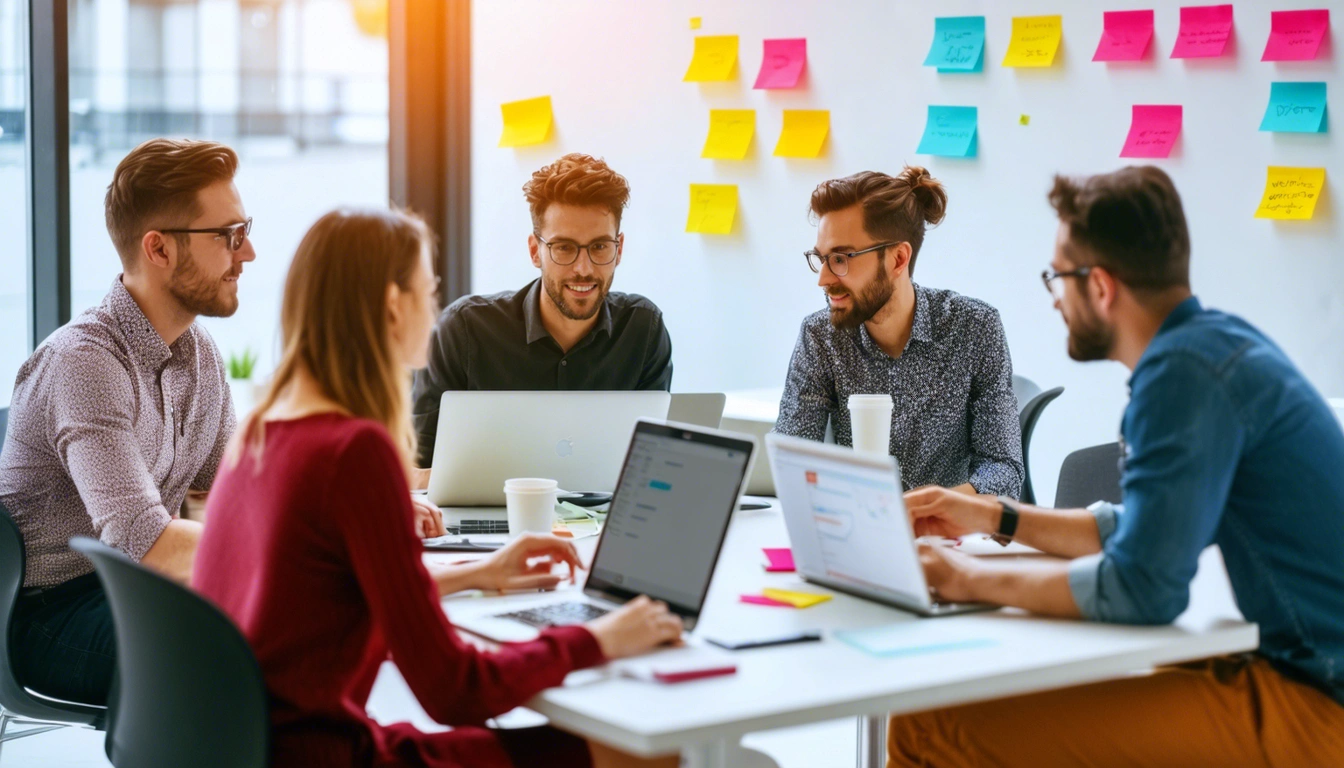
564, 362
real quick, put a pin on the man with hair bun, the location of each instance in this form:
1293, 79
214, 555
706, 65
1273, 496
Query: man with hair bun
564, 330
942, 357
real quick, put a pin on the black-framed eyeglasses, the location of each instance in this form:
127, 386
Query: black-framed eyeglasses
236, 233
1056, 288
601, 252
839, 262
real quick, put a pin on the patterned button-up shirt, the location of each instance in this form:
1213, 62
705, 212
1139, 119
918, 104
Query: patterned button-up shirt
955, 416
108, 429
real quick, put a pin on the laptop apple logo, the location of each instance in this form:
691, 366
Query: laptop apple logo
564, 448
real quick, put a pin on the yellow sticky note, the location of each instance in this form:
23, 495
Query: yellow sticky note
1035, 41
695, 22
526, 122
713, 207
1291, 193
1024, 120
796, 599
714, 59
804, 132
730, 132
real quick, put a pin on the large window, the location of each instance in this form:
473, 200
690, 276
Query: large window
298, 87
14, 287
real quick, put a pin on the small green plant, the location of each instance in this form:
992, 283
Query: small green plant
241, 366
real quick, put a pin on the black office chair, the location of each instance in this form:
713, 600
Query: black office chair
1089, 475
1027, 418
18, 705
191, 693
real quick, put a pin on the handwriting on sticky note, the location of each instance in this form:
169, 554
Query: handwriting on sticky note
715, 59
782, 63
1035, 41
713, 208
1296, 35
730, 132
1125, 36
526, 122
1291, 193
958, 44
950, 132
804, 133
1153, 130
1204, 32
1295, 107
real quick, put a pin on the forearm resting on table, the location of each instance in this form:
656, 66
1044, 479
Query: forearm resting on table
175, 550
451, 578
1063, 532
1039, 587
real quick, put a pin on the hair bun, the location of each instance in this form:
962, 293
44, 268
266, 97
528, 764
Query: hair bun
928, 192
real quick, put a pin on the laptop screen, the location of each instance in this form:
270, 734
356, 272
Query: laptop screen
669, 515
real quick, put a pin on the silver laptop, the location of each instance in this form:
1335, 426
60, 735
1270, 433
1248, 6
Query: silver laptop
669, 514
702, 409
845, 512
575, 438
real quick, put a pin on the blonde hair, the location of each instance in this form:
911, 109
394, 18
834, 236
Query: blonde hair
333, 321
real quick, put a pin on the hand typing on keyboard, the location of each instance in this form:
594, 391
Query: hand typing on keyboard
636, 627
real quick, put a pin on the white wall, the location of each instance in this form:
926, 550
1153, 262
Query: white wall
733, 303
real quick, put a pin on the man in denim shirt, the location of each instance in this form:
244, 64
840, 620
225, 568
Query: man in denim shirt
1227, 444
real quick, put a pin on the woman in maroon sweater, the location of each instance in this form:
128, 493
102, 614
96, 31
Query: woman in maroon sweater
311, 543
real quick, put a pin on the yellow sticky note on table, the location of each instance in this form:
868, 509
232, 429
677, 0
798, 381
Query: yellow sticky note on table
713, 208
1291, 193
526, 122
730, 132
1035, 41
804, 132
714, 59
796, 599
695, 22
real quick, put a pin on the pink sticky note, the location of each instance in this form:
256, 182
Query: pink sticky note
763, 600
1296, 35
779, 559
1153, 130
1205, 30
783, 63
1125, 36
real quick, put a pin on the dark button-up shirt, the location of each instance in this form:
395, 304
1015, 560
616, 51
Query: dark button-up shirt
1227, 443
955, 415
499, 343
108, 429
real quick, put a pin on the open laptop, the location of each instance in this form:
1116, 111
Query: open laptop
848, 526
669, 515
702, 409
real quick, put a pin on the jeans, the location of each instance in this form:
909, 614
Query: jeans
64, 641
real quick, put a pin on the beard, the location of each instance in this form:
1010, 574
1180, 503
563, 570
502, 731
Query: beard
201, 294
1089, 338
866, 302
556, 290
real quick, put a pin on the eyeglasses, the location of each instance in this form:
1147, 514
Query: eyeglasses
1056, 288
236, 234
565, 252
839, 262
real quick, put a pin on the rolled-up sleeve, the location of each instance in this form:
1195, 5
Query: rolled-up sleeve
809, 391
996, 432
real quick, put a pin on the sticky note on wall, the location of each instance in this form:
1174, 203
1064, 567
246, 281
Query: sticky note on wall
715, 59
1153, 130
1291, 193
713, 208
1296, 35
526, 122
1204, 32
782, 63
1295, 108
958, 44
804, 133
950, 132
730, 132
1125, 36
1035, 41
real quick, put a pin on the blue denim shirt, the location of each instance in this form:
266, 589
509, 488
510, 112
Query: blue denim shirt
1227, 444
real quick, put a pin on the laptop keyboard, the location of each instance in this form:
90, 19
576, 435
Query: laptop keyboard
556, 614
476, 527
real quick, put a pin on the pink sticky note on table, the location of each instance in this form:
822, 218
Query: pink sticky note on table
763, 600
1153, 130
1296, 35
779, 559
783, 63
1205, 30
1125, 36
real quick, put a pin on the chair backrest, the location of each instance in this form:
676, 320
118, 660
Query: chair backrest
1027, 418
1089, 475
191, 692
1025, 389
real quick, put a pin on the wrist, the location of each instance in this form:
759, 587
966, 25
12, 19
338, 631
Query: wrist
992, 513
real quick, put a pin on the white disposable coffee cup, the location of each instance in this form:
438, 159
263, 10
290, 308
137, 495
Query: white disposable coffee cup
531, 504
870, 423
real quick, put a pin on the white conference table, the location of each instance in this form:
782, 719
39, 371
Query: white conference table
811, 682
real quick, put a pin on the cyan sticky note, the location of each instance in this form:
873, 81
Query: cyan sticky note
950, 132
958, 44
913, 638
1295, 108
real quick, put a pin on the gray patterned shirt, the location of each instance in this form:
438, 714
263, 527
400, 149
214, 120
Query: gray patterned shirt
955, 416
108, 429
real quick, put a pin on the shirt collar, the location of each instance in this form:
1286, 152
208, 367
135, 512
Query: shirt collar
921, 327
1183, 311
145, 343
536, 330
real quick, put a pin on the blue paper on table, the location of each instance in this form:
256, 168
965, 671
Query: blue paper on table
1295, 108
912, 638
958, 44
950, 132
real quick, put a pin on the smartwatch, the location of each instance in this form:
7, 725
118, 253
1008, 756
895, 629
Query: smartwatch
1007, 522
